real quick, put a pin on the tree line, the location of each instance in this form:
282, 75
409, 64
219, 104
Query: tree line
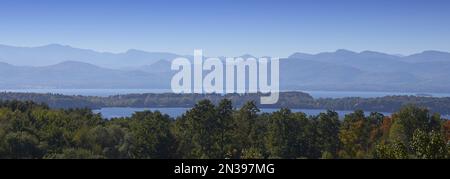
208, 130
293, 100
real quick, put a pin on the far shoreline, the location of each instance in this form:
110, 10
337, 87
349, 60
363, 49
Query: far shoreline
316, 94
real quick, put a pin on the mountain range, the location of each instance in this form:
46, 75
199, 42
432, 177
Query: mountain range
59, 66
55, 53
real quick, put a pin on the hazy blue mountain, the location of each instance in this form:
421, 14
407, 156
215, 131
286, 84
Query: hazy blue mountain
157, 67
299, 55
308, 72
55, 53
428, 56
426, 71
72, 74
367, 60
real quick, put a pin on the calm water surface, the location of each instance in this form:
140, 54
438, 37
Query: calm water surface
115, 112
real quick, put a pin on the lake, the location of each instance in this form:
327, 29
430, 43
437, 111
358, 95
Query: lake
109, 92
115, 112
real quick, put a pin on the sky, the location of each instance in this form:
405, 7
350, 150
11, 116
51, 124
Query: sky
229, 27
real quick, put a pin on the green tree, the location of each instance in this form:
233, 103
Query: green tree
278, 135
354, 135
327, 126
72, 153
246, 129
22, 145
429, 145
150, 136
394, 150
199, 132
409, 119
289, 136
252, 153
225, 124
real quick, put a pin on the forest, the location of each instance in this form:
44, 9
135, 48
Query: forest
209, 130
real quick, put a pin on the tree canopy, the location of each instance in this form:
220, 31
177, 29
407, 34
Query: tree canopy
31, 130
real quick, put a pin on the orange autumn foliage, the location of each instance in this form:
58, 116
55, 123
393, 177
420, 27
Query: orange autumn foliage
386, 126
446, 128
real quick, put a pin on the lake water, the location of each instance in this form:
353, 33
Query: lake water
115, 112
109, 92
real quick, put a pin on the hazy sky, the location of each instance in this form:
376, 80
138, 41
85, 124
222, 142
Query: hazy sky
229, 27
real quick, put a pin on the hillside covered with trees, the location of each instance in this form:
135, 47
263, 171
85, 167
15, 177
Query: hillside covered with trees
208, 130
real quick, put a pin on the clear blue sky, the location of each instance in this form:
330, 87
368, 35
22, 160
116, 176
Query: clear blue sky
229, 27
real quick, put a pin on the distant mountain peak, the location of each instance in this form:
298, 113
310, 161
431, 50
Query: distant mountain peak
370, 52
435, 52
341, 53
300, 55
428, 56
55, 45
135, 51
344, 51
374, 54
246, 56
